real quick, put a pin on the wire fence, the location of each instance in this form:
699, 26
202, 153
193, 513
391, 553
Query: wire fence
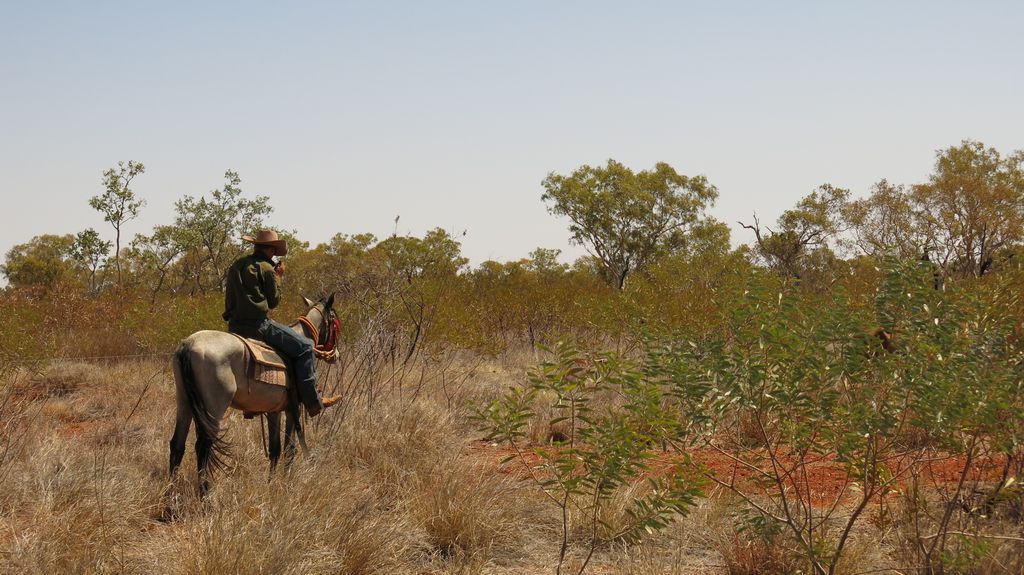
34, 360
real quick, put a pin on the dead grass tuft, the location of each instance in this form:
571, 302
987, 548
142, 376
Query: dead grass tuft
312, 522
72, 510
63, 378
465, 510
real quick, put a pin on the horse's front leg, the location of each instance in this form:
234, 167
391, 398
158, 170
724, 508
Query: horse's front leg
290, 422
301, 433
274, 441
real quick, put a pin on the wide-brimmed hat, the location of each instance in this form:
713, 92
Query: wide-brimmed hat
268, 238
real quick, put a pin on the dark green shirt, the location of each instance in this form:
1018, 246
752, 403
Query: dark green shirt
252, 291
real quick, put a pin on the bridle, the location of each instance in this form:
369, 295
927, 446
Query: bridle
331, 326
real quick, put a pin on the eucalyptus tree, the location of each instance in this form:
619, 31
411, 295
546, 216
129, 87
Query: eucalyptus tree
89, 250
885, 222
153, 258
969, 211
802, 232
42, 261
973, 204
212, 226
118, 202
628, 219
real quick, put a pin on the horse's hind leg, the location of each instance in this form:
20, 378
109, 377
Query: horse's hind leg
208, 435
274, 431
182, 422
204, 451
181, 426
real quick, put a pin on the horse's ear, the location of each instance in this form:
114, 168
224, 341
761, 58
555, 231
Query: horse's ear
307, 301
330, 301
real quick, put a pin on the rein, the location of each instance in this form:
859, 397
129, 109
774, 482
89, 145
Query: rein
326, 351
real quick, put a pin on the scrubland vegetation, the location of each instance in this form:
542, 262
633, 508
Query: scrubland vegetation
844, 395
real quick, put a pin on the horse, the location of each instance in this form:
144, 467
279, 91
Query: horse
210, 375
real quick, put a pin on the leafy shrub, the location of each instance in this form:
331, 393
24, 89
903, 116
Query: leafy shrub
604, 452
806, 386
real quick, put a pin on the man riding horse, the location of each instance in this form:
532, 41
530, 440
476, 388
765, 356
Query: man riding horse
253, 289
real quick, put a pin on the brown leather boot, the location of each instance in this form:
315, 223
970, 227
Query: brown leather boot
329, 401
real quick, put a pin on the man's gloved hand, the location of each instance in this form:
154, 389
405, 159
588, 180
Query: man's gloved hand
279, 269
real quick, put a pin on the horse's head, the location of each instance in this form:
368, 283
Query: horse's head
322, 317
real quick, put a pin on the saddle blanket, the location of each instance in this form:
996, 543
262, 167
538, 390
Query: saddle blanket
270, 375
264, 364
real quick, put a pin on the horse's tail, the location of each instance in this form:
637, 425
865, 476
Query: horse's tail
207, 427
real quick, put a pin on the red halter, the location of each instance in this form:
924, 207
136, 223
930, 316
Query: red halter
332, 335
325, 351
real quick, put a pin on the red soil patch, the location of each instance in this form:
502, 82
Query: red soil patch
79, 428
826, 480
823, 478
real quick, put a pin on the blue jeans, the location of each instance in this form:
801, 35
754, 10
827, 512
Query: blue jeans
299, 350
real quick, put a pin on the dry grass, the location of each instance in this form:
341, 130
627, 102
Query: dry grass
403, 487
979, 544
314, 522
389, 490
684, 547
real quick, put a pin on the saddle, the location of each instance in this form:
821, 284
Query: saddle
263, 364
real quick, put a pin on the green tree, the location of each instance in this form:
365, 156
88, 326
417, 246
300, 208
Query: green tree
213, 227
426, 270
118, 203
544, 261
43, 261
969, 212
436, 253
973, 205
338, 265
625, 219
152, 257
886, 222
708, 237
89, 251
803, 232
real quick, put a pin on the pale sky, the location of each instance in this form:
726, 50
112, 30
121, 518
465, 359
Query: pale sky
450, 114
